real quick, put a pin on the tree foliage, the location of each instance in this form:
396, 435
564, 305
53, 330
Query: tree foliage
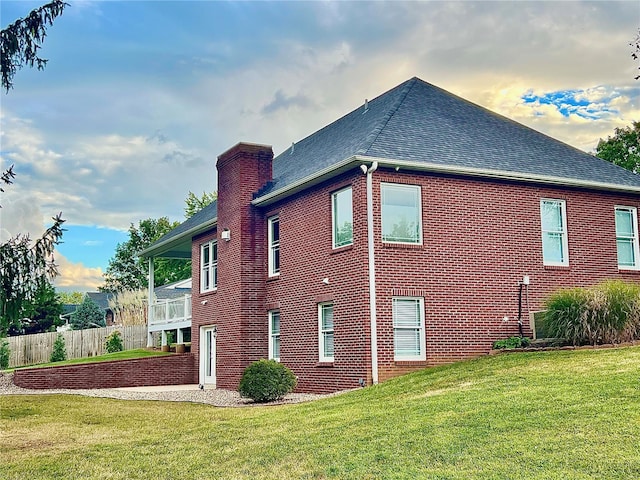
128, 272
87, 315
623, 148
71, 298
43, 313
20, 41
194, 203
24, 270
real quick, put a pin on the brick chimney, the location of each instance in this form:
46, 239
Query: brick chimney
240, 300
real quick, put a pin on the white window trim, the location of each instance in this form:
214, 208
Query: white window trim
423, 343
334, 197
271, 246
565, 232
636, 246
407, 186
272, 335
322, 357
210, 267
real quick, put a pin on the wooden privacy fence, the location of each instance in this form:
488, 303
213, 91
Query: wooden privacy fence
37, 348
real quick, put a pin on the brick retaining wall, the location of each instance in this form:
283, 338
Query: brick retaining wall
175, 369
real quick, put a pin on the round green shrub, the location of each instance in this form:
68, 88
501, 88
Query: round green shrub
266, 380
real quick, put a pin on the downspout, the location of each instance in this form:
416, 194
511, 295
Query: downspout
150, 303
372, 272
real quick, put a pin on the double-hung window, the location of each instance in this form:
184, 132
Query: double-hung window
408, 328
555, 245
325, 334
627, 238
342, 217
401, 213
274, 246
274, 335
208, 266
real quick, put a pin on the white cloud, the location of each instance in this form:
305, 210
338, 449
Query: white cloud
77, 277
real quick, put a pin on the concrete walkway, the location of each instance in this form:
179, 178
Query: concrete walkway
161, 388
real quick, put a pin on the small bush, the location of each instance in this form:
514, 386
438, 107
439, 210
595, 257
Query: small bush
114, 342
266, 380
59, 350
4, 354
512, 342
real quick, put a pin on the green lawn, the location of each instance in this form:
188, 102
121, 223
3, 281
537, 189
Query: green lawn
124, 355
548, 415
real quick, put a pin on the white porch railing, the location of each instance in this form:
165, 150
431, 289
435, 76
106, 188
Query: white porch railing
165, 313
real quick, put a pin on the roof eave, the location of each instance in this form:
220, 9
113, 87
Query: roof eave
165, 246
500, 175
308, 181
354, 160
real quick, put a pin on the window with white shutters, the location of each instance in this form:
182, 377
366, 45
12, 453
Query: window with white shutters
408, 329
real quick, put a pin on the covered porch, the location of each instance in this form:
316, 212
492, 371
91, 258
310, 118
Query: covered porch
170, 314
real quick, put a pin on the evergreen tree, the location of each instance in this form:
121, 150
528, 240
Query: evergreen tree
43, 312
87, 315
20, 41
59, 353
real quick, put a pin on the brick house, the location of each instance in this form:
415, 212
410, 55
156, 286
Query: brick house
413, 231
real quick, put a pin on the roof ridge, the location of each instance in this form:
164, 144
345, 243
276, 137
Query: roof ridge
375, 133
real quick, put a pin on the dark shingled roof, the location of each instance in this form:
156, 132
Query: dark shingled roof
101, 299
419, 122
203, 216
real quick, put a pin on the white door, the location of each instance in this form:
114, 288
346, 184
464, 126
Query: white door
208, 356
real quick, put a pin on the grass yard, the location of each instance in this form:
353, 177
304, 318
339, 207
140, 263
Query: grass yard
124, 355
548, 415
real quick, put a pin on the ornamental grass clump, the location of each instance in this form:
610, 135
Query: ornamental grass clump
266, 381
606, 313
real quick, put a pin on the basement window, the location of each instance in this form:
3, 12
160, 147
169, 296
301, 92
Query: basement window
408, 328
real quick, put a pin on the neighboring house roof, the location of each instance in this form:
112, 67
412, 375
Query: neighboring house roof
173, 290
101, 299
68, 309
418, 126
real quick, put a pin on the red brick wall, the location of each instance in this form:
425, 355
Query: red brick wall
163, 370
307, 257
480, 238
236, 308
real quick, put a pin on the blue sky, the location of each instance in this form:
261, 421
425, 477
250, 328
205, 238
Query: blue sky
139, 98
